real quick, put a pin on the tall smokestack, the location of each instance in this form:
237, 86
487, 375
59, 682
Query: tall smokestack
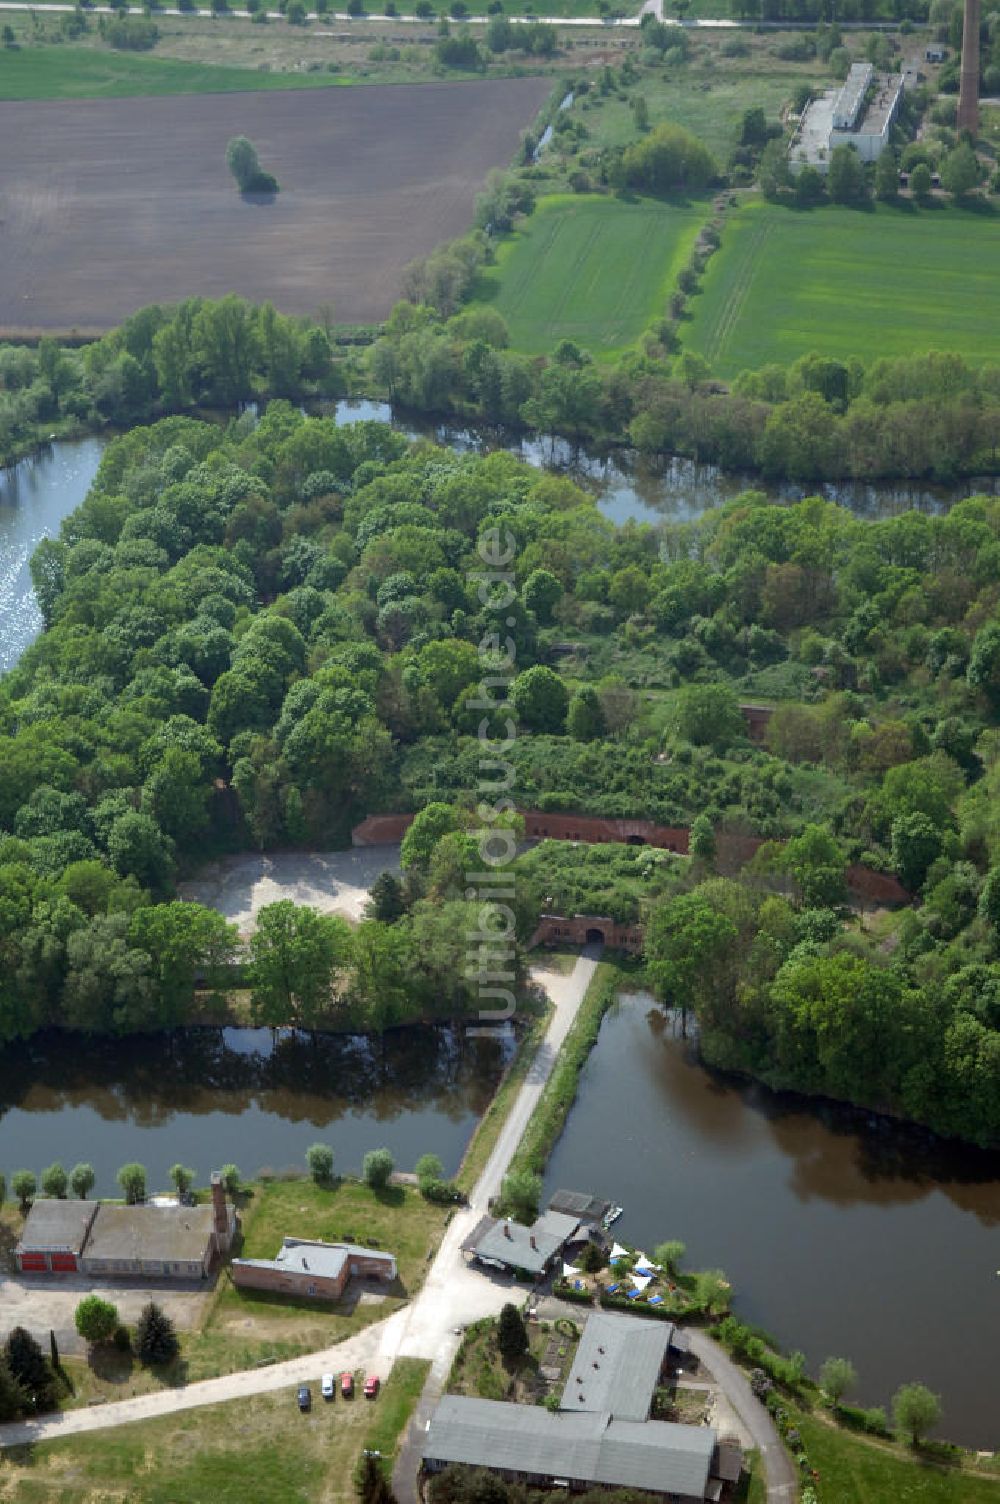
220, 1212
968, 98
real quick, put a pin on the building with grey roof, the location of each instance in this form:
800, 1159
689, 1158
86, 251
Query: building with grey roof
53, 1236
580, 1204
317, 1270
617, 1366
505, 1244
529, 1444
601, 1433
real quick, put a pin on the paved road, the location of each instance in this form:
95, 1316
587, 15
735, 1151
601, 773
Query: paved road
782, 1483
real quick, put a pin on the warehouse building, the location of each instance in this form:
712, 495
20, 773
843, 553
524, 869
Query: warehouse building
861, 113
107, 1240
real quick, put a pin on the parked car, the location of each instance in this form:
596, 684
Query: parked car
327, 1387
305, 1398
347, 1385
372, 1387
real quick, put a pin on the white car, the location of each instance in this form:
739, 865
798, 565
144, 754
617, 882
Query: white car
327, 1387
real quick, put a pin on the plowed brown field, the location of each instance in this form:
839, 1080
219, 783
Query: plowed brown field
108, 205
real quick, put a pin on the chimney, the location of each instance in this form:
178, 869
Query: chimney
507, 1232
531, 1240
220, 1212
968, 97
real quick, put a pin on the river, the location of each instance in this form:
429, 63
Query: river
207, 1097
842, 1234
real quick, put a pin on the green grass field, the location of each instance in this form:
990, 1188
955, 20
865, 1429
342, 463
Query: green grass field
85, 73
857, 1471
887, 282
593, 270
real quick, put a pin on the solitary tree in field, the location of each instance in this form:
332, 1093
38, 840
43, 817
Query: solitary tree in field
244, 164
96, 1319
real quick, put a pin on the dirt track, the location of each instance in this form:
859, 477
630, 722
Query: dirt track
107, 205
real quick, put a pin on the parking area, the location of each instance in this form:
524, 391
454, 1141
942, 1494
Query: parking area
48, 1302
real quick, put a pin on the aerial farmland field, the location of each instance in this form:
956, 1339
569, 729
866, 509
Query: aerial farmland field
109, 205
886, 281
593, 270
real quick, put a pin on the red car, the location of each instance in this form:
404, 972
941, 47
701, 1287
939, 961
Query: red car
347, 1385
372, 1387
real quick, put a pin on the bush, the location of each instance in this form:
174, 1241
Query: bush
131, 33
122, 1339
670, 159
24, 1186
442, 1192
460, 51
319, 1158
96, 1319
520, 1194
378, 1166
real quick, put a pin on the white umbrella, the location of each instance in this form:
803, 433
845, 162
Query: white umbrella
641, 1281
569, 1269
618, 1252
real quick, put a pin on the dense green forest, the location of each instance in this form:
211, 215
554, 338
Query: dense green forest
258, 633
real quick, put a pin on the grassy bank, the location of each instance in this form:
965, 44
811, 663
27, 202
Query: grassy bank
553, 1109
857, 1470
86, 73
259, 1449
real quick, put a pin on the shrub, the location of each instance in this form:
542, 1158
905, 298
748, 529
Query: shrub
319, 1158
520, 1194
96, 1319
378, 1166
122, 1339
131, 33
668, 160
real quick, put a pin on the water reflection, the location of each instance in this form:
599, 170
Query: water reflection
843, 1232
242, 1094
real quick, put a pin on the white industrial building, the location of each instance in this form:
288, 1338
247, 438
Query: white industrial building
860, 114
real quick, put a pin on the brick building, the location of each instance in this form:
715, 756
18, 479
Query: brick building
319, 1271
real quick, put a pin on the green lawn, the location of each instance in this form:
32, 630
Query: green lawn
857, 1471
845, 282
256, 1451
594, 270
85, 73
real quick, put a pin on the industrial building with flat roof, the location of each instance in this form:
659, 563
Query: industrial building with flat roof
601, 1433
860, 114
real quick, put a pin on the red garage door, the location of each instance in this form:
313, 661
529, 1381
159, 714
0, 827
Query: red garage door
33, 1261
63, 1263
